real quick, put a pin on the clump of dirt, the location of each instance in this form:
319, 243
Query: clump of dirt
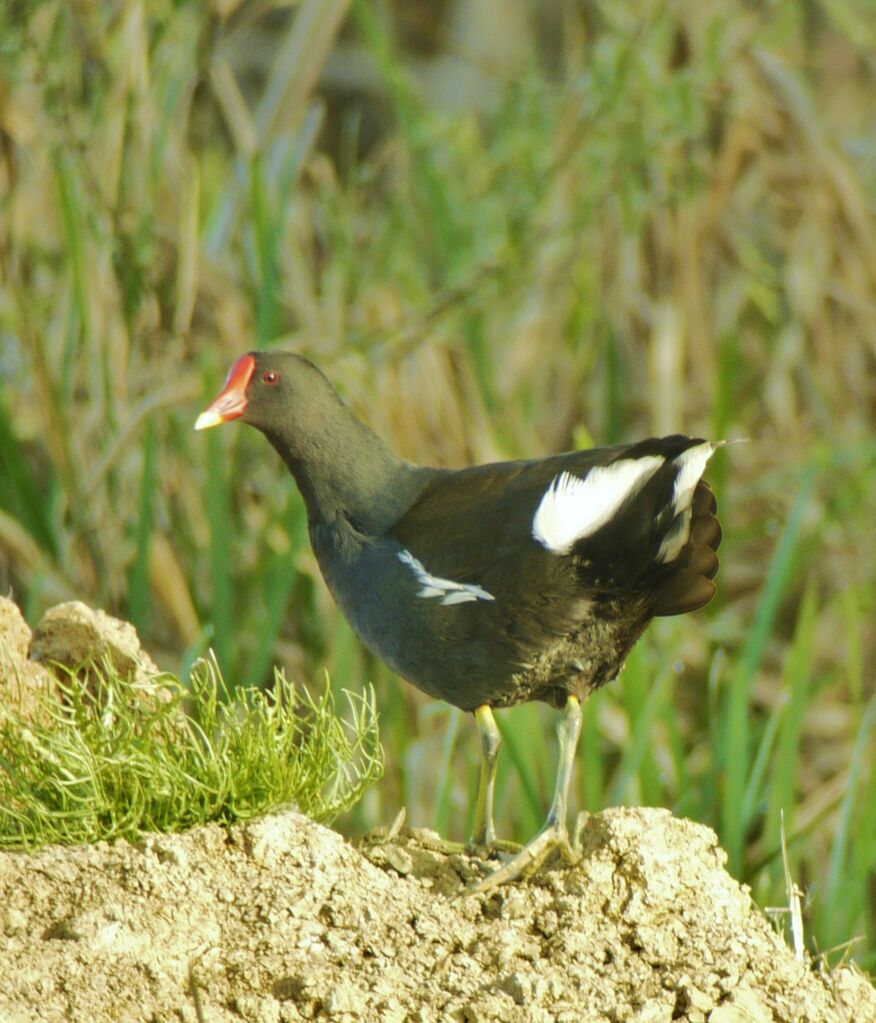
281, 919
70, 637
73, 634
20, 677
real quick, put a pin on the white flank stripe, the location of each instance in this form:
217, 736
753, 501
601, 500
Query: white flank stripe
433, 586
573, 508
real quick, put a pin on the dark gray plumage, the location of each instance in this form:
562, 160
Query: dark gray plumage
495, 584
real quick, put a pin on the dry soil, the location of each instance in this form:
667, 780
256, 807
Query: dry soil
281, 919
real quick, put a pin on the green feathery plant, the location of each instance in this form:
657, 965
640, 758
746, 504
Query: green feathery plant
106, 759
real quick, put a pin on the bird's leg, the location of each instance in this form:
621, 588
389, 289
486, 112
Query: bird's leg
484, 838
483, 841
568, 733
484, 829
555, 833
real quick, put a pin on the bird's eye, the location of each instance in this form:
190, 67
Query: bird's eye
271, 377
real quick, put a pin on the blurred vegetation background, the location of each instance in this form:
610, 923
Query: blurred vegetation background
502, 229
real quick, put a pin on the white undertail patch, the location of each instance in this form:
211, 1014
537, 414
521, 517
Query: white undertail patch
449, 591
573, 508
691, 465
675, 539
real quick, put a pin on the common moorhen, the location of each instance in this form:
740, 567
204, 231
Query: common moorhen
496, 584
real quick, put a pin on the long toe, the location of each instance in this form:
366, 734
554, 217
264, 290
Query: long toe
531, 857
493, 848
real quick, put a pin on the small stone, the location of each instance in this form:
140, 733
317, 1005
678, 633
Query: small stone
345, 997
547, 923
169, 851
14, 922
399, 859
392, 1011
270, 839
730, 1014
746, 1006
515, 905
255, 1009
699, 1000
654, 1012
517, 986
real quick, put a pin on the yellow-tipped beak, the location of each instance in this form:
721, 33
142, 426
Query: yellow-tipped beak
231, 403
209, 418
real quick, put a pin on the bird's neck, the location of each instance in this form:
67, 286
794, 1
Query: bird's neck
345, 472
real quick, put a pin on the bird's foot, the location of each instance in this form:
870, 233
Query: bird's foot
435, 843
493, 848
485, 849
486, 846
383, 835
553, 839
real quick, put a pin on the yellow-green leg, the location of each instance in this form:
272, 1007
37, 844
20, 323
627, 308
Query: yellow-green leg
483, 840
555, 833
484, 835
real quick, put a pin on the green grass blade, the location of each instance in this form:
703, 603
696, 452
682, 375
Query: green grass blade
689, 791
71, 209
444, 775
723, 406
839, 910
637, 690
735, 750
139, 596
636, 752
859, 905
521, 728
797, 678
753, 788
591, 784
218, 499
854, 629
279, 577
615, 390
22, 494
265, 229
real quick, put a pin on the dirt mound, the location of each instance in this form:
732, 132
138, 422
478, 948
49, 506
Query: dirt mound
281, 919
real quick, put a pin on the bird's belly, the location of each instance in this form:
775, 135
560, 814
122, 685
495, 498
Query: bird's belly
487, 668
577, 664
478, 652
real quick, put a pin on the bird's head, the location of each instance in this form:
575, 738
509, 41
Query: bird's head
268, 390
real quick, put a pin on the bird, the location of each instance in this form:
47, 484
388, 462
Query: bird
494, 584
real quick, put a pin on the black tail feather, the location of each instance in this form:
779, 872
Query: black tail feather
687, 584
